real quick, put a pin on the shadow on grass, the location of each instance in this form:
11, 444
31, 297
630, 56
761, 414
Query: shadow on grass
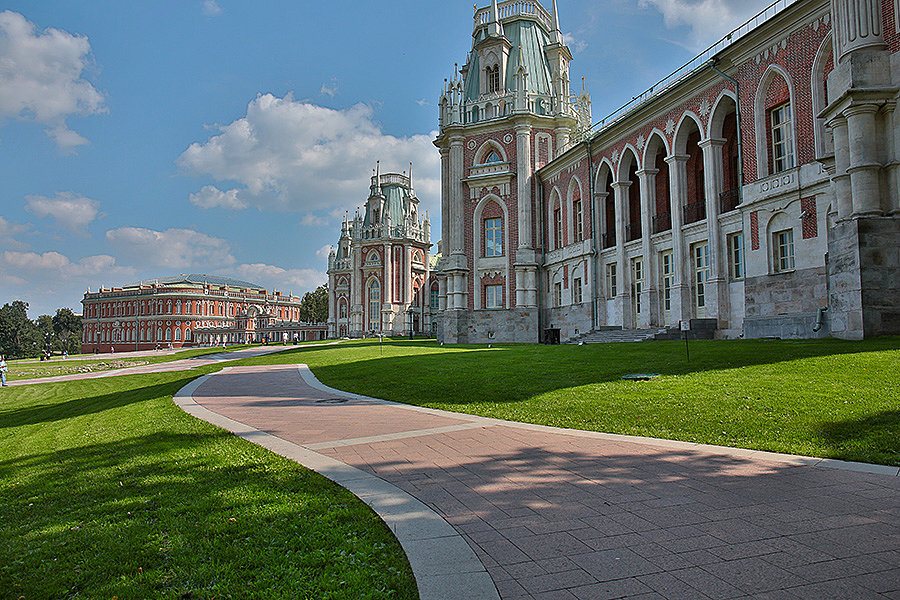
173, 515
880, 430
85, 403
511, 373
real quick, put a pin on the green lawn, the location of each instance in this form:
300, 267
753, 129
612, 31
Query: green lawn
825, 398
108, 490
59, 366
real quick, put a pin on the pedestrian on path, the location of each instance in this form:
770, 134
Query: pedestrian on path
3, 369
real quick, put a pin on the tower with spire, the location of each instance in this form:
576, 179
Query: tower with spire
504, 114
379, 273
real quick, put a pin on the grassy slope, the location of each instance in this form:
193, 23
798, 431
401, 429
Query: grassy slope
109, 490
822, 398
59, 366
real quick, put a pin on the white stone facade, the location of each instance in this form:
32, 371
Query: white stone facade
755, 192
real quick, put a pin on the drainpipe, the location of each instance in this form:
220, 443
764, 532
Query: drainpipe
820, 319
595, 231
740, 146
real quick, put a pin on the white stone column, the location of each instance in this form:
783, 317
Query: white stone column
523, 183
442, 292
562, 140
649, 313
681, 291
623, 298
857, 24
714, 184
840, 181
457, 213
446, 214
864, 166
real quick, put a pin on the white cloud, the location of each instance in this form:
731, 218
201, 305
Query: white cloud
34, 268
211, 8
329, 90
297, 280
41, 77
8, 233
212, 197
708, 20
311, 220
172, 249
323, 252
574, 43
296, 156
71, 212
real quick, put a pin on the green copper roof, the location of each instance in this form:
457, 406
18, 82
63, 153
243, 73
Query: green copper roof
194, 279
532, 39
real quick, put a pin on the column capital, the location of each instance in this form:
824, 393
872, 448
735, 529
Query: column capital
621, 185
522, 128
646, 172
861, 109
677, 158
712, 142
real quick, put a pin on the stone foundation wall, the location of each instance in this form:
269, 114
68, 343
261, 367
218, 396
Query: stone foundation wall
782, 304
864, 277
517, 325
570, 320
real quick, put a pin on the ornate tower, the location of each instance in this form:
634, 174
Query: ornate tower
378, 275
505, 113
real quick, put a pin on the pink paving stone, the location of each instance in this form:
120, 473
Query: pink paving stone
552, 512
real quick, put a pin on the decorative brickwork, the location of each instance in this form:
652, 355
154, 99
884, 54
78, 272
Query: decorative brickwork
754, 230
808, 218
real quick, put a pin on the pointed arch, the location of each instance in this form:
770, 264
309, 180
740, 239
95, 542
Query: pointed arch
487, 202
761, 114
687, 144
576, 209
656, 141
686, 123
555, 220
823, 63
628, 168
725, 101
655, 153
604, 203
629, 157
484, 152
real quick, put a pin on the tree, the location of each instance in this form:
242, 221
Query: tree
314, 305
18, 335
67, 328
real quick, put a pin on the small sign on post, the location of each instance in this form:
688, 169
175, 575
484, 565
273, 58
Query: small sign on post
685, 333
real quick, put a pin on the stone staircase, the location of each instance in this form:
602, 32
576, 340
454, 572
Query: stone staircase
606, 335
700, 329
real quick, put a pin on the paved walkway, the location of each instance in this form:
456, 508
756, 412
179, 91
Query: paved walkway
555, 514
183, 364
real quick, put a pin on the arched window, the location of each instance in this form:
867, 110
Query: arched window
342, 309
475, 114
178, 335
168, 335
493, 157
374, 305
493, 79
187, 335
557, 226
159, 334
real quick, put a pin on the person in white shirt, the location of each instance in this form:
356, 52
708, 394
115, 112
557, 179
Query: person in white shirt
3, 369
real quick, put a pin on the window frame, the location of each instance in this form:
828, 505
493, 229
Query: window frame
612, 283
577, 292
784, 130
493, 237
736, 256
557, 294
784, 255
577, 220
558, 225
493, 296
702, 272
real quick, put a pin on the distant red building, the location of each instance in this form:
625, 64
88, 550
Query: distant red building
191, 310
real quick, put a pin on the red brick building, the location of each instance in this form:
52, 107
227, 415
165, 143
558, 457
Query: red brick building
190, 310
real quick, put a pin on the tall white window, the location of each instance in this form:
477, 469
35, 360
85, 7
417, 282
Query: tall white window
577, 297
493, 79
493, 237
374, 306
435, 298
557, 293
577, 220
701, 273
667, 273
782, 140
637, 283
736, 256
493, 296
784, 250
612, 285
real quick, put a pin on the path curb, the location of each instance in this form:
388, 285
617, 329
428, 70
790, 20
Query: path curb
444, 565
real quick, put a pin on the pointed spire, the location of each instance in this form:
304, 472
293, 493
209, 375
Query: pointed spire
494, 27
556, 33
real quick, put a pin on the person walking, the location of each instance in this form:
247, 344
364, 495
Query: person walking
3, 369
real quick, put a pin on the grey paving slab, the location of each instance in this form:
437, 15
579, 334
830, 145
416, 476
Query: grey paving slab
560, 514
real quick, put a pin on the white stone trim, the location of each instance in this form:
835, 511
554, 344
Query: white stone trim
761, 123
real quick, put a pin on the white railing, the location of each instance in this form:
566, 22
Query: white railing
514, 8
694, 64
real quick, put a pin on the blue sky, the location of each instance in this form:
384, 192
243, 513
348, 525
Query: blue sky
142, 139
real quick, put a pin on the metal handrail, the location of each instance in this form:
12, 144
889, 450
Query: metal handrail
694, 64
